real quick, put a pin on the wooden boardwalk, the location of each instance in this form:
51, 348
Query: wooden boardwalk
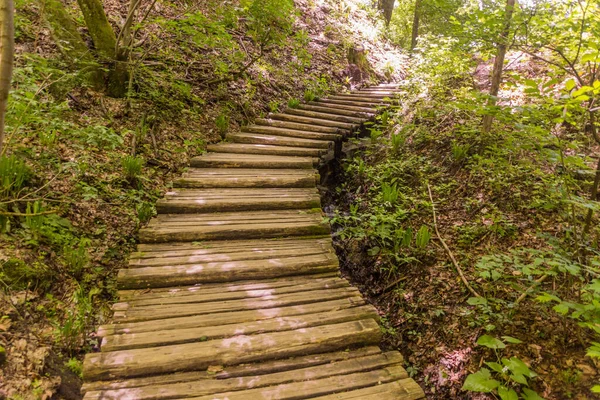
235, 293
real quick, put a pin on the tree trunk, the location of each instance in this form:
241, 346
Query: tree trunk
7, 47
499, 63
415, 27
387, 7
100, 30
67, 38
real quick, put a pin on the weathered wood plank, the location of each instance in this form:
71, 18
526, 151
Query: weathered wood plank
315, 120
335, 105
186, 274
351, 103
275, 140
170, 337
264, 149
247, 178
153, 312
224, 292
298, 126
323, 116
237, 350
312, 388
195, 201
218, 160
357, 99
207, 387
361, 112
244, 370
405, 389
259, 224
195, 321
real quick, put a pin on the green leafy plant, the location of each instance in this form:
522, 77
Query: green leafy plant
505, 375
132, 167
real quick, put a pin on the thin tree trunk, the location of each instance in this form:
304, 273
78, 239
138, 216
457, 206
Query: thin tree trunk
68, 40
7, 47
499, 63
415, 27
100, 30
387, 7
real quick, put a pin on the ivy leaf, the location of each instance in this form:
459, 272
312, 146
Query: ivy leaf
507, 394
518, 367
480, 381
490, 342
570, 84
519, 379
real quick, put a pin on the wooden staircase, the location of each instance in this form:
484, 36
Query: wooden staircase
235, 292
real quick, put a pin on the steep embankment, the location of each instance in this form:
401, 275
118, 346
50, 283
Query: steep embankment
91, 167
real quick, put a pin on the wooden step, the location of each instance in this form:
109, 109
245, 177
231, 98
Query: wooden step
190, 274
334, 104
171, 337
352, 103
218, 160
363, 113
314, 121
370, 94
258, 138
404, 389
324, 116
224, 226
294, 133
308, 389
204, 387
186, 321
265, 149
247, 178
155, 383
298, 126
235, 250
357, 98
230, 351
180, 201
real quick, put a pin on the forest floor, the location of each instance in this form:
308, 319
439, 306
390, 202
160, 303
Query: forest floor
490, 204
82, 149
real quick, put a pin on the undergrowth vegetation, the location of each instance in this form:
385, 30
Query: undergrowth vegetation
80, 171
482, 247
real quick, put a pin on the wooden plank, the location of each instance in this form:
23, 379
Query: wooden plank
239, 286
180, 255
230, 351
195, 201
313, 388
154, 312
357, 104
213, 294
244, 370
322, 116
357, 99
277, 140
171, 337
336, 105
186, 274
337, 109
207, 387
217, 160
315, 120
219, 226
246, 178
278, 128
265, 149
405, 389
299, 126
224, 292
176, 249
195, 321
